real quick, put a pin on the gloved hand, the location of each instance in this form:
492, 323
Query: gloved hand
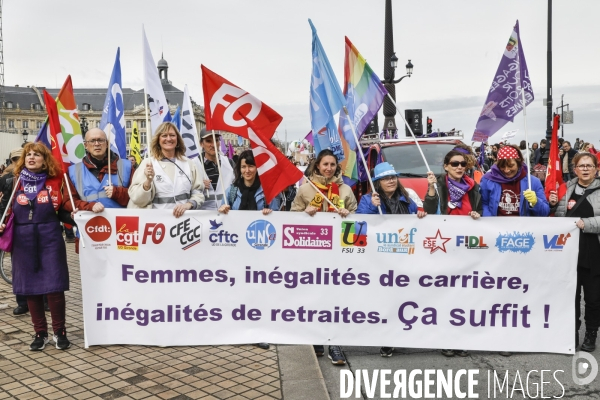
530, 197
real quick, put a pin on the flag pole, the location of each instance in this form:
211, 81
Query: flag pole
325, 197
219, 167
72, 202
148, 137
10, 200
108, 140
362, 156
526, 138
415, 139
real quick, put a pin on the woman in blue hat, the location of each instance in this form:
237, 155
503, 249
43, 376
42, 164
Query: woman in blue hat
389, 194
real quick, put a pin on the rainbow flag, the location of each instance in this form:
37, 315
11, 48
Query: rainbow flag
71, 140
364, 95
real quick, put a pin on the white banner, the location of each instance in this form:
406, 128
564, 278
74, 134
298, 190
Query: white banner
492, 284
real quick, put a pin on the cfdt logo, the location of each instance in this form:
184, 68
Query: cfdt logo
354, 234
128, 233
471, 242
98, 229
556, 242
261, 234
221, 237
515, 242
188, 232
397, 243
435, 243
307, 237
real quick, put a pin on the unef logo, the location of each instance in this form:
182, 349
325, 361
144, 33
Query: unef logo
98, 229
189, 232
127, 233
471, 242
354, 234
557, 242
261, 234
397, 243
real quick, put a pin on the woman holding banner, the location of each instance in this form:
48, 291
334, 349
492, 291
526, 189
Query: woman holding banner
325, 190
582, 200
39, 255
167, 179
456, 194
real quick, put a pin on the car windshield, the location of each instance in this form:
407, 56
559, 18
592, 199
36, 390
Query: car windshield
408, 161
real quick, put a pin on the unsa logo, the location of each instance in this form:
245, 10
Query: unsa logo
98, 229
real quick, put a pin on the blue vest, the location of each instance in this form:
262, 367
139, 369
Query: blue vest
90, 189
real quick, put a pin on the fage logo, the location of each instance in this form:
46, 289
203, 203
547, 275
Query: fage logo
128, 233
515, 242
557, 242
354, 234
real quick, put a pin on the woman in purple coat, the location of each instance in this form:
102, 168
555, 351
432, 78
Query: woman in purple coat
39, 257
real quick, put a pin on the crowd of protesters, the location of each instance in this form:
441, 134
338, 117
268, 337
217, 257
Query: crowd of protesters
493, 184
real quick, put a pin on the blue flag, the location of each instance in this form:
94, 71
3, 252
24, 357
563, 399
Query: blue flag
176, 118
43, 137
240, 141
113, 113
326, 100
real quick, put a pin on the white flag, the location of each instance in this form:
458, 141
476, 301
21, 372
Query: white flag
510, 134
157, 102
188, 126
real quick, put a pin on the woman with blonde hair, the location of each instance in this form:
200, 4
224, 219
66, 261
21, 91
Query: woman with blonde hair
167, 179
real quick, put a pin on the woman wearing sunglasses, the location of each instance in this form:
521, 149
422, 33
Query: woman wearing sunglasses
458, 195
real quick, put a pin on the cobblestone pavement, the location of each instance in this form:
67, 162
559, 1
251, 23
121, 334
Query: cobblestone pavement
125, 372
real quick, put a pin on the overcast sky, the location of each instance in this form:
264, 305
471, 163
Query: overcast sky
264, 46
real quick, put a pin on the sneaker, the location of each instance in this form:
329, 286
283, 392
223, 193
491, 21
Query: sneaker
319, 350
39, 341
448, 352
336, 356
386, 351
60, 339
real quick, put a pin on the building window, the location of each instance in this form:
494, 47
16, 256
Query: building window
39, 124
85, 107
25, 124
143, 137
9, 104
128, 138
11, 123
143, 124
97, 124
128, 124
37, 107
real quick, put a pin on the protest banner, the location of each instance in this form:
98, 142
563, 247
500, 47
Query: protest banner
393, 280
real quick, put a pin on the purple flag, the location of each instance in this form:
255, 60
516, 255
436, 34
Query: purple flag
309, 137
505, 98
223, 147
230, 150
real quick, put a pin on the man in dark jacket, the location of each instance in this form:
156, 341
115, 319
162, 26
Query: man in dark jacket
566, 160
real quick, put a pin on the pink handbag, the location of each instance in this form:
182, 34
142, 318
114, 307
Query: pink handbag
6, 239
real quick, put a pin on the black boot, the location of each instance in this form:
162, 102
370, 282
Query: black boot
589, 342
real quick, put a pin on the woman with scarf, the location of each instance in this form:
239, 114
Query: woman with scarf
457, 194
39, 256
325, 174
246, 192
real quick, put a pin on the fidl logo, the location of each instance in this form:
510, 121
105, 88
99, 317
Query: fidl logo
128, 233
515, 242
354, 234
557, 242
261, 234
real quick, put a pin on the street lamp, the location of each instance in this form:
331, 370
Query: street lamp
25, 134
84, 125
394, 64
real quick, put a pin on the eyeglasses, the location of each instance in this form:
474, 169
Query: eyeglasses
96, 141
585, 166
390, 178
455, 164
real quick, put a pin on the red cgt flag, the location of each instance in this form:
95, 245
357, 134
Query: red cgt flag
554, 179
54, 128
230, 108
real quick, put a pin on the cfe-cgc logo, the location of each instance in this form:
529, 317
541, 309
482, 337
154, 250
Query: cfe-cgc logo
556, 242
354, 234
435, 243
261, 234
307, 237
516, 242
471, 242
98, 229
188, 232
397, 243
127, 233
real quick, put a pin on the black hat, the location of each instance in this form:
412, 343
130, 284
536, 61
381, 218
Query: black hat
204, 133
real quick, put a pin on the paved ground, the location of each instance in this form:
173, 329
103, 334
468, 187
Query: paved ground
143, 372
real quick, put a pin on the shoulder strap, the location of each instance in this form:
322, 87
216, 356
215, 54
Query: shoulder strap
581, 199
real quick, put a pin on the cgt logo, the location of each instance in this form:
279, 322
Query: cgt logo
354, 234
128, 233
557, 242
98, 229
189, 232
515, 242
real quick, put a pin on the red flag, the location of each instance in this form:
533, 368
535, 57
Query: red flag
230, 108
55, 130
554, 179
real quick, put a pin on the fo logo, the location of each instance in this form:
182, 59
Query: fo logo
128, 233
98, 229
261, 234
354, 234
